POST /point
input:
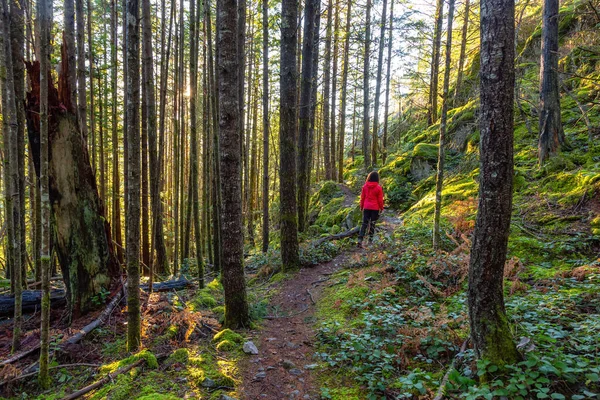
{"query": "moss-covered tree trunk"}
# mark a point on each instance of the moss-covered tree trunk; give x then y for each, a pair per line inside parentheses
(442, 143)
(435, 63)
(552, 135)
(83, 241)
(287, 132)
(234, 283)
(366, 145)
(489, 325)
(265, 115)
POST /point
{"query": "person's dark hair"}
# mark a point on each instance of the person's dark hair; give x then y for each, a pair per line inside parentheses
(373, 177)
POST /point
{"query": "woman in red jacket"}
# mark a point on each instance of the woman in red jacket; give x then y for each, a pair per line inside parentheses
(371, 204)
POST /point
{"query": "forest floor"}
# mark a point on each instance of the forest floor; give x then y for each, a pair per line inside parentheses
(285, 367)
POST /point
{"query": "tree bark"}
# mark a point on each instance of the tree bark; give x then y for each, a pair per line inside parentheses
(133, 177)
(378, 83)
(388, 78)
(116, 177)
(442, 143)
(366, 145)
(326, 94)
(287, 131)
(81, 89)
(306, 84)
(435, 63)
(44, 12)
(333, 135)
(489, 324)
(265, 115)
(463, 50)
(344, 94)
(10, 132)
(69, 34)
(552, 136)
(234, 284)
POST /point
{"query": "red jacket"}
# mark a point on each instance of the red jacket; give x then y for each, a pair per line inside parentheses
(371, 197)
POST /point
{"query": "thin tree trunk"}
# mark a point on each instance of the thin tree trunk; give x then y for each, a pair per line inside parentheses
(435, 63)
(552, 135)
(313, 103)
(388, 78)
(145, 242)
(69, 33)
(366, 145)
(336, 50)
(463, 50)
(378, 83)
(234, 284)
(307, 82)
(442, 142)
(345, 68)
(116, 176)
(10, 132)
(133, 186)
(81, 89)
(44, 13)
(326, 93)
(490, 331)
(265, 115)
(17, 35)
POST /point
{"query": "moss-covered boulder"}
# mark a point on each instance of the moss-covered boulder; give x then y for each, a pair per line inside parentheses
(423, 161)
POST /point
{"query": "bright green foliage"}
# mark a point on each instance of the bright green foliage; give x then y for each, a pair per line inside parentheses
(229, 335)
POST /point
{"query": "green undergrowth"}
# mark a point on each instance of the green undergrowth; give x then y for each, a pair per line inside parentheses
(395, 318)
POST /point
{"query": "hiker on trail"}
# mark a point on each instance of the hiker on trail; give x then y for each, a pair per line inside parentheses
(371, 205)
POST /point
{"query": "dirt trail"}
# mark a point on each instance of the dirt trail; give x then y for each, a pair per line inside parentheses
(285, 365)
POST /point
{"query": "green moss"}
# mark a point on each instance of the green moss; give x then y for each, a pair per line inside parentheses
(336, 305)
(204, 299)
(426, 151)
(214, 286)
(228, 334)
(181, 356)
(226, 345)
(151, 362)
(328, 191)
(157, 396)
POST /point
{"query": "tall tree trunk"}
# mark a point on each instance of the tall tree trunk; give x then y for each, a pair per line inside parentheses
(234, 284)
(378, 83)
(253, 164)
(552, 135)
(116, 176)
(17, 36)
(81, 89)
(435, 63)
(489, 324)
(313, 104)
(326, 93)
(214, 102)
(463, 50)
(44, 13)
(133, 177)
(145, 242)
(345, 67)
(442, 143)
(336, 50)
(366, 145)
(69, 33)
(287, 132)
(265, 115)
(10, 132)
(388, 78)
(306, 85)
(194, 141)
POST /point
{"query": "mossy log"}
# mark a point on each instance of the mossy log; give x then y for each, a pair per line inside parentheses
(32, 300)
(83, 243)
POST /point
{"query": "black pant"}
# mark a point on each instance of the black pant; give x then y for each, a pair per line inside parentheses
(369, 218)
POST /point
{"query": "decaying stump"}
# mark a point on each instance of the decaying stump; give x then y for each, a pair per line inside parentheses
(83, 244)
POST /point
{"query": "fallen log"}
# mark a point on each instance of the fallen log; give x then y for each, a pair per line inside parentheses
(79, 335)
(103, 381)
(32, 299)
(167, 286)
(341, 235)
